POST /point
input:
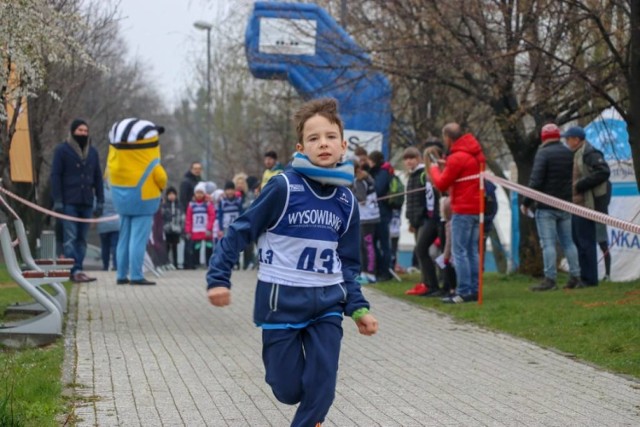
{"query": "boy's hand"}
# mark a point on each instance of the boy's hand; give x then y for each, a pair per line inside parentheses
(219, 296)
(367, 324)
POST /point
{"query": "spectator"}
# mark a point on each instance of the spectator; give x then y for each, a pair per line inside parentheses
(424, 219)
(365, 193)
(76, 184)
(108, 230)
(448, 269)
(137, 180)
(551, 174)
(229, 207)
(198, 224)
(173, 219)
(362, 158)
(603, 238)
(381, 172)
(465, 160)
(272, 167)
(189, 181)
(302, 258)
(590, 188)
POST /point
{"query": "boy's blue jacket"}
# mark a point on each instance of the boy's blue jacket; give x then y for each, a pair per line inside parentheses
(294, 305)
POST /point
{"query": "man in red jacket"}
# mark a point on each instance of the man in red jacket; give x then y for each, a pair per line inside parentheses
(463, 161)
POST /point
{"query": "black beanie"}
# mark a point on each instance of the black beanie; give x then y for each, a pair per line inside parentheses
(76, 123)
(229, 185)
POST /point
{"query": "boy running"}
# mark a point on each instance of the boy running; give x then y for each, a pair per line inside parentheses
(306, 223)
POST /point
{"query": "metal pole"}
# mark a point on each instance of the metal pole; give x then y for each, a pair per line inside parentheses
(208, 104)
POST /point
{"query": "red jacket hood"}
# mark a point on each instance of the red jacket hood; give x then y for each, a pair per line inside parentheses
(469, 144)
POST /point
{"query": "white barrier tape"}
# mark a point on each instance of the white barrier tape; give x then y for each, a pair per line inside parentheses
(466, 178)
(565, 206)
(52, 213)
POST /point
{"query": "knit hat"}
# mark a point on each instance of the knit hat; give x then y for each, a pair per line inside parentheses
(229, 185)
(550, 132)
(133, 130)
(201, 186)
(575, 131)
(210, 187)
(76, 123)
(171, 190)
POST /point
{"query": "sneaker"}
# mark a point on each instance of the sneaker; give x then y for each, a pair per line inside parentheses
(574, 283)
(384, 277)
(419, 289)
(546, 285)
(435, 292)
(460, 299)
(122, 281)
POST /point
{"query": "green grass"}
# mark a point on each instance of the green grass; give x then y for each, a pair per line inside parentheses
(599, 325)
(30, 379)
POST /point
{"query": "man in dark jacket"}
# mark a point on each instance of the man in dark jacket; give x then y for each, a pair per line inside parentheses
(76, 179)
(551, 174)
(188, 184)
(590, 187)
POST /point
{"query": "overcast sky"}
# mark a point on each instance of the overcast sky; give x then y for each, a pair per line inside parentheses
(161, 33)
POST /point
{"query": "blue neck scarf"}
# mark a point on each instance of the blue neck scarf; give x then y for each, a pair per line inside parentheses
(342, 174)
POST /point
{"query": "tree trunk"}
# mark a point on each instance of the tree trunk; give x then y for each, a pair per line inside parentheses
(633, 120)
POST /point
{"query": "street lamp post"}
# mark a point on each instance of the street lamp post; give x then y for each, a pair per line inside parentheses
(206, 26)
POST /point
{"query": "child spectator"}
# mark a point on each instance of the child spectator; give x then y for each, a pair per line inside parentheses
(394, 234)
(365, 191)
(109, 230)
(199, 224)
(229, 207)
(173, 223)
(307, 225)
(449, 272)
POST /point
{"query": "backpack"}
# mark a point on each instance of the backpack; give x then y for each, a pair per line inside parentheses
(396, 193)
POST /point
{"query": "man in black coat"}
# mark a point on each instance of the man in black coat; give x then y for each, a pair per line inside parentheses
(76, 187)
(189, 182)
(552, 175)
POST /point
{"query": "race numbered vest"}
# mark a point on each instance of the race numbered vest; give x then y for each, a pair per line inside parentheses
(301, 248)
(230, 210)
(199, 215)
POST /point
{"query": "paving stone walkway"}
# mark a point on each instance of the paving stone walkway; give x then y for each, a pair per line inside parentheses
(162, 356)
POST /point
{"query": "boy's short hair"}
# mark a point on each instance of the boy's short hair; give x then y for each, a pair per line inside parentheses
(229, 185)
(325, 107)
(271, 154)
(360, 151)
(376, 157)
(411, 153)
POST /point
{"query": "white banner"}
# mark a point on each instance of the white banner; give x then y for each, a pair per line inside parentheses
(623, 246)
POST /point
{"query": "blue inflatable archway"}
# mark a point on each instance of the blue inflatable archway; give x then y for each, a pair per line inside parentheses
(302, 43)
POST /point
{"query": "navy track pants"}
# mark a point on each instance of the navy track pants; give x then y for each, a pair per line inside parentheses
(302, 367)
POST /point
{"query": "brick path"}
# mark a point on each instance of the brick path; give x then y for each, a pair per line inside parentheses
(162, 356)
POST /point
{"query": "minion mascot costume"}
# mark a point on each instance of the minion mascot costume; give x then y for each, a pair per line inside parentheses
(137, 181)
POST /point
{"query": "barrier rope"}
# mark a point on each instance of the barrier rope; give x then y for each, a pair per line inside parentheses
(49, 212)
(565, 206)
